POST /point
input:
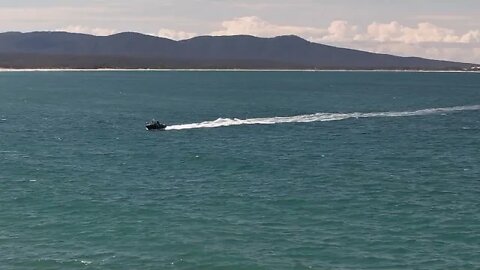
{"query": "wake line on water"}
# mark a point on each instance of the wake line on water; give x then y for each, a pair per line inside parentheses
(318, 117)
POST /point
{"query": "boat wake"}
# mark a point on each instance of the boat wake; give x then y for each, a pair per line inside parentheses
(318, 117)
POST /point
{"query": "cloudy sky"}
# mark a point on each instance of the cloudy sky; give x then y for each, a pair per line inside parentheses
(441, 29)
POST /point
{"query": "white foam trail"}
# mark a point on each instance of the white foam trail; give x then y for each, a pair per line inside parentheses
(318, 117)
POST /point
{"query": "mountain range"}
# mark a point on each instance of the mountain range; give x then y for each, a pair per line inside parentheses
(134, 50)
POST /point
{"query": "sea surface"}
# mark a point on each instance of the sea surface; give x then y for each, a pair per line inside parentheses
(258, 170)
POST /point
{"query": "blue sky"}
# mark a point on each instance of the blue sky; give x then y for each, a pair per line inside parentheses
(442, 29)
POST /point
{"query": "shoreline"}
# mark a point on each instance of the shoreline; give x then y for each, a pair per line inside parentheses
(227, 70)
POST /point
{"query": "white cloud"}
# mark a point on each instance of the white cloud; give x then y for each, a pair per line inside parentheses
(382, 32)
(87, 30)
(421, 33)
(255, 26)
(471, 37)
(97, 31)
(340, 31)
(175, 35)
(424, 39)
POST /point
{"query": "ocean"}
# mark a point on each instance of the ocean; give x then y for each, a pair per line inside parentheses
(257, 170)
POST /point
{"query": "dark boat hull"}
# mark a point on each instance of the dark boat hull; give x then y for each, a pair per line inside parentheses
(156, 126)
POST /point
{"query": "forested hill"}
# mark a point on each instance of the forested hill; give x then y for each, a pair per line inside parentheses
(134, 50)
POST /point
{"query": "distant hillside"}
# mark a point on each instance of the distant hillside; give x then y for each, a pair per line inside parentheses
(133, 50)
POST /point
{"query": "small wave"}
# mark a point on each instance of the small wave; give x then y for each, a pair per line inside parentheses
(318, 117)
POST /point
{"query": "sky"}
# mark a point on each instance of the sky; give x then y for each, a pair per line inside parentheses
(439, 29)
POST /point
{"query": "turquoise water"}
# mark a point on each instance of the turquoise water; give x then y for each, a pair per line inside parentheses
(84, 186)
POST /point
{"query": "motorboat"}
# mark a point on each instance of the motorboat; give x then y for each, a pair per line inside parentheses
(155, 125)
